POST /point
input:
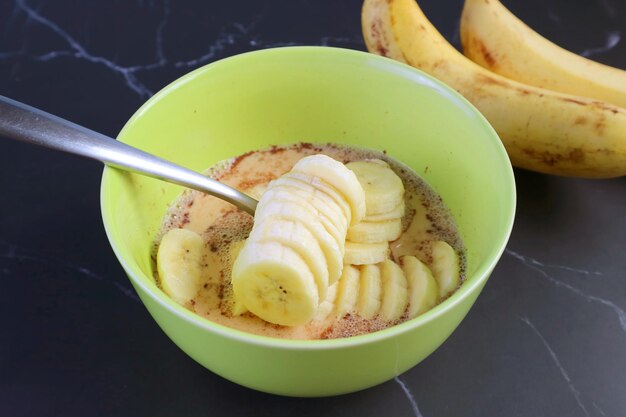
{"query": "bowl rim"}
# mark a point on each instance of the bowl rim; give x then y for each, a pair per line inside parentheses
(382, 64)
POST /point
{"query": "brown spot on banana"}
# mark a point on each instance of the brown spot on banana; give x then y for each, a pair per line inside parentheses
(375, 20)
(580, 120)
(607, 106)
(490, 60)
(575, 101)
(482, 78)
(600, 124)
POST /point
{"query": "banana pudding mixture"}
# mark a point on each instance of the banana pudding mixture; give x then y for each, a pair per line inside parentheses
(344, 241)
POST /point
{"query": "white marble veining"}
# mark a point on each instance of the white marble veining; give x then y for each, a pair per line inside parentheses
(540, 268)
(340, 40)
(557, 362)
(598, 409)
(409, 396)
(554, 17)
(159, 33)
(80, 52)
(130, 74)
(612, 39)
(536, 263)
(608, 6)
(11, 251)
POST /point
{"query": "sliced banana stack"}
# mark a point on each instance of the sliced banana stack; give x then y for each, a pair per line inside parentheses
(368, 240)
(319, 250)
(296, 246)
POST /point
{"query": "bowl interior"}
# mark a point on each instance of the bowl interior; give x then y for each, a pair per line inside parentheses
(313, 94)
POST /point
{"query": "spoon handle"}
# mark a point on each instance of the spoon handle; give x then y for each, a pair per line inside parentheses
(28, 124)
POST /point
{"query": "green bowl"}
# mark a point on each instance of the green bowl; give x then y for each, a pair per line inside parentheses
(313, 94)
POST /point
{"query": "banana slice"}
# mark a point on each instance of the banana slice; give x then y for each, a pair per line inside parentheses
(327, 306)
(396, 213)
(338, 176)
(294, 212)
(314, 206)
(423, 289)
(347, 292)
(179, 264)
(328, 193)
(365, 253)
(370, 291)
(275, 283)
(372, 232)
(297, 237)
(383, 189)
(395, 293)
(445, 268)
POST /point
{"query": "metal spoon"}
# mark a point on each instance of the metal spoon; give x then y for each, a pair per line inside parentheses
(28, 124)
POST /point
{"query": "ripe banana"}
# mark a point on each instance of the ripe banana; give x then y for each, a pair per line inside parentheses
(423, 290)
(542, 130)
(496, 39)
(395, 292)
(347, 292)
(365, 253)
(370, 291)
(445, 268)
(179, 264)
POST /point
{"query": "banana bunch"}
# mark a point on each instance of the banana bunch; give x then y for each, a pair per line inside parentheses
(497, 40)
(555, 112)
(295, 250)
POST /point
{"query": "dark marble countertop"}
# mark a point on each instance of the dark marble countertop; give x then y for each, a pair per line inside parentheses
(547, 337)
